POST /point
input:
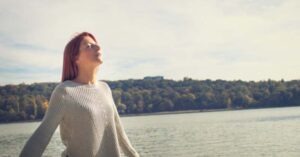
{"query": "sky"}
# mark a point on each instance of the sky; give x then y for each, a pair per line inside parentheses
(250, 40)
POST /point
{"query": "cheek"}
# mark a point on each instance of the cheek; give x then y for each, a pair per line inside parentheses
(81, 58)
(86, 56)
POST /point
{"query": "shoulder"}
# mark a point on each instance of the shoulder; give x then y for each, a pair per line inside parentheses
(60, 88)
(103, 84)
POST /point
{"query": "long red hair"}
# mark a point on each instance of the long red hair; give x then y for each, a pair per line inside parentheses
(71, 52)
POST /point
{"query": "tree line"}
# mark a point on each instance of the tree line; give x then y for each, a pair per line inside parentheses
(30, 101)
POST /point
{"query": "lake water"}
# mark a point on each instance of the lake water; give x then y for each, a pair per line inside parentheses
(255, 132)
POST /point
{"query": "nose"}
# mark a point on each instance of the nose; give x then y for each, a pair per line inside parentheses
(98, 48)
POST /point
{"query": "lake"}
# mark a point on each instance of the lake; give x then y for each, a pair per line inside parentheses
(254, 132)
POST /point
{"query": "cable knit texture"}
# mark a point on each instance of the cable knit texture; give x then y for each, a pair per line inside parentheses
(89, 122)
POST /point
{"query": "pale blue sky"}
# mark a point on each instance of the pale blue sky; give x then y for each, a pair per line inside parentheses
(212, 39)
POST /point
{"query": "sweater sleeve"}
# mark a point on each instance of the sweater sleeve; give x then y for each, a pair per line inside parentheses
(122, 137)
(39, 140)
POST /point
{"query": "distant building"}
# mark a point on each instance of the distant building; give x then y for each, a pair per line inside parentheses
(153, 78)
(187, 79)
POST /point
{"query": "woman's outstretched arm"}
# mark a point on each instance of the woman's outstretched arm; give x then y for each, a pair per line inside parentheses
(39, 140)
(122, 137)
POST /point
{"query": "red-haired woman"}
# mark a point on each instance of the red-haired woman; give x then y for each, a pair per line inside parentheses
(83, 107)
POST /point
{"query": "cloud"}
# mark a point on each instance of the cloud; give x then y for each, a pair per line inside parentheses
(239, 39)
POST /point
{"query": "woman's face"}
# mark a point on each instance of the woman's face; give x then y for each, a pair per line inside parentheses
(89, 53)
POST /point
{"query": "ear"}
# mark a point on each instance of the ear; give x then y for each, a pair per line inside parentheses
(76, 59)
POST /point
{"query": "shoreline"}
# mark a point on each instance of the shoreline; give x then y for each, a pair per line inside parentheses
(174, 112)
(163, 113)
(197, 111)
(141, 114)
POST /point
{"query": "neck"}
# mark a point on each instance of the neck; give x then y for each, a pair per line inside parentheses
(87, 75)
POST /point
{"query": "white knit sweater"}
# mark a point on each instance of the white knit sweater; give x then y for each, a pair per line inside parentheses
(89, 122)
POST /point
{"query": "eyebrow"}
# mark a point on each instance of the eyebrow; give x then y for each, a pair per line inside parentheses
(90, 43)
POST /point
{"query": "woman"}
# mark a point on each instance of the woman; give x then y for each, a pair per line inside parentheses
(84, 108)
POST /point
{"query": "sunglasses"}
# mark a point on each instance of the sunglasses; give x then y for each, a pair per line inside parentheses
(93, 47)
